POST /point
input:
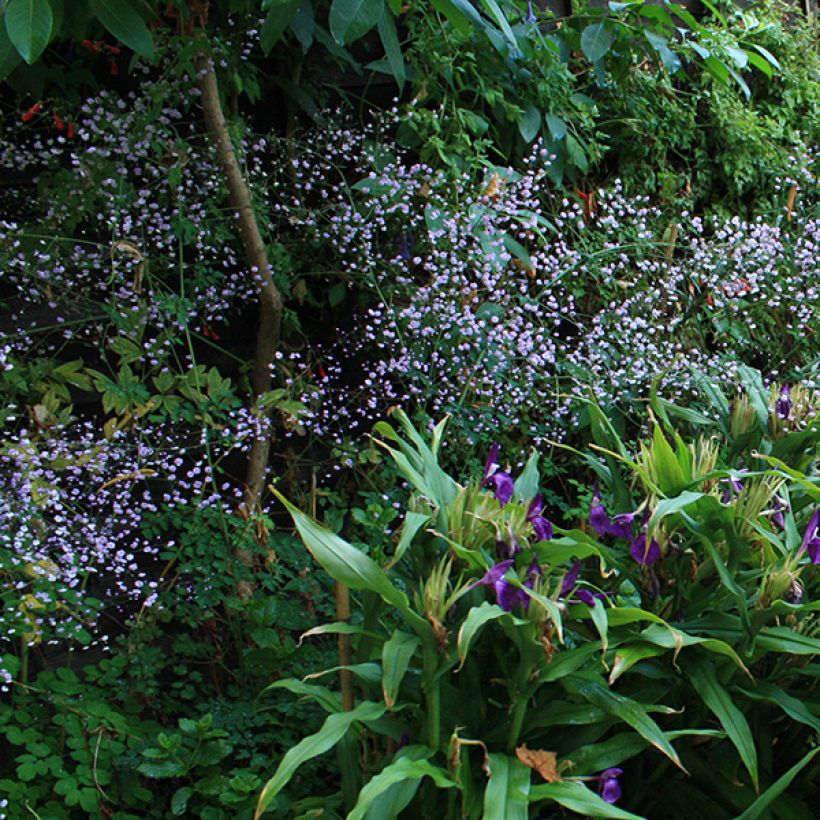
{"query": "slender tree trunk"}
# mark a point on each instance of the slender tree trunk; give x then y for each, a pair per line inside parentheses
(270, 300)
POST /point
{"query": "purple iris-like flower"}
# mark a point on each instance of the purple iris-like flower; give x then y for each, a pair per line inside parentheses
(643, 554)
(621, 526)
(587, 597)
(506, 594)
(778, 518)
(530, 12)
(598, 517)
(783, 406)
(811, 538)
(570, 579)
(610, 788)
(502, 483)
(542, 527)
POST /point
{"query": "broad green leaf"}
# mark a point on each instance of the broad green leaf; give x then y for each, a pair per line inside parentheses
(758, 808)
(476, 618)
(577, 797)
(119, 17)
(557, 126)
(553, 608)
(622, 615)
(521, 253)
(669, 58)
(506, 796)
(529, 124)
(28, 24)
(327, 699)
(670, 477)
(719, 702)
(396, 656)
(627, 656)
(598, 614)
(630, 712)
(343, 562)
(526, 485)
(303, 24)
(456, 15)
(413, 522)
(567, 714)
(596, 757)
(770, 58)
(280, 15)
(338, 628)
(392, 48)
(396, 797)
(565, 663)
(399, 771)
(9, 56)
(672, 638)
(500, 18)
(596, 40)
(369, 672)
(333, 730)
(793, 707)
(352, 19)
(783, 639)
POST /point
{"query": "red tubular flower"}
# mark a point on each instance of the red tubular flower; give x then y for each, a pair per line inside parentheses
(70, 130)
(114, 69)
(58, 123)
(29, 115)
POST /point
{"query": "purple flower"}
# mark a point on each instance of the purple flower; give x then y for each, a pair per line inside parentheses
(811, 538)
(783, 406)
(587, 597)
(643, 554)
(506, 594)
(598, 517)
(502, 483)
(570, 579)
(609, 788)
(530, 12)
(621, 526)
(542, 527)
(778, 519)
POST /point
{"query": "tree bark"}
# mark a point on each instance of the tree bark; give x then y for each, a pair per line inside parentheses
(270, 300)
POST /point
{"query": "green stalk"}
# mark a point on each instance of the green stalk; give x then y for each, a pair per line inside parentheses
(432, 693)
(519, 710)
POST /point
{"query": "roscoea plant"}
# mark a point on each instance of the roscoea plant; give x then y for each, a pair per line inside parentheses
(505, 662)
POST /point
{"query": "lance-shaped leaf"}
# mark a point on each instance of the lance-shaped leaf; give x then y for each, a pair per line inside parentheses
(413, 522)
(630, 712)
(577, 797)
(333, 730)
(627, 656)
(719, 702)
(476, 618)
(793, 707)
(344, 563)
(758, 808)
(351, 19)
(396, 656)
(28, 24)
(403, 770)
(119, 17)
(506, 796)
(526, 485)
(783, 639)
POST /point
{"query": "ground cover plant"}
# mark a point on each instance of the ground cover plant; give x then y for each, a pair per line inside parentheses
(552, 390)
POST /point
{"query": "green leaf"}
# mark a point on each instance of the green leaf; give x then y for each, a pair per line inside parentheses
(9, 56)
(345, 563)
(777, 788)
(476, 618)
(529, 124)
(333, 730)
(576, 154)
(719, 702)
(670, 60)
(328, 700)
(526, 485)
(794, 708)
(392, 48)
(280, 16)
(28, 24)
(783, 639)
(303, 24)
(352, 19)
(413, 522)
(631, 713)
(577, 797)
(119, 17)
(557, 127)
(627, 656)
(596, 40)
(399, 771)
(396, 656)
(506, 796)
